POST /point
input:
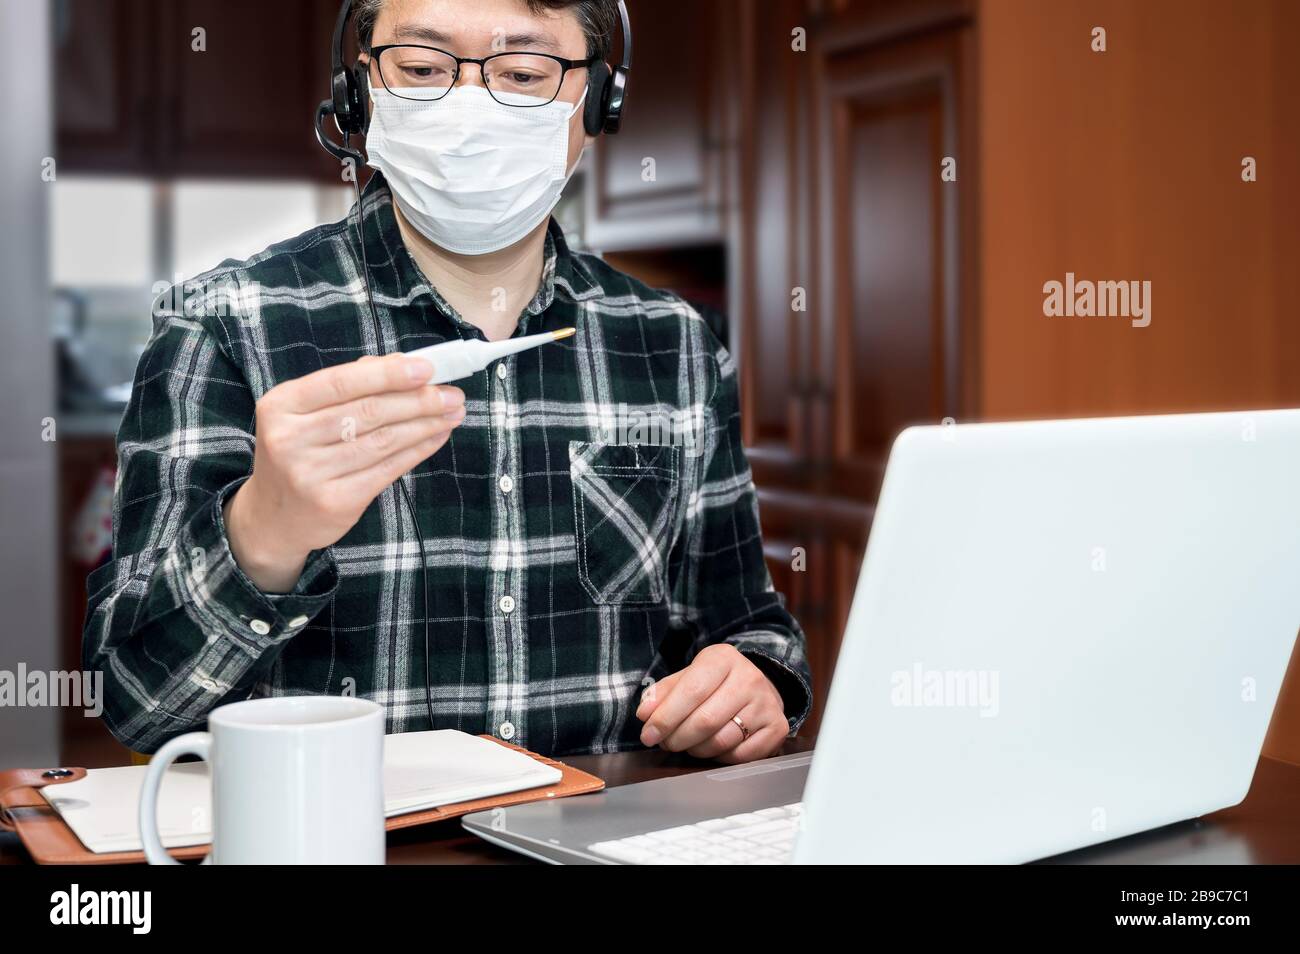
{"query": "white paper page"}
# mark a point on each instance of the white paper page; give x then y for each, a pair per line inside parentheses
(421, 770)
(102, 809)
(443, 766)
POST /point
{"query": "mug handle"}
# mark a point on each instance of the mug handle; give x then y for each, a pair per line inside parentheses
(191, 743)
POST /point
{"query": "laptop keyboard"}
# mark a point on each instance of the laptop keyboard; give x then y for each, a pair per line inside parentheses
(764, 837)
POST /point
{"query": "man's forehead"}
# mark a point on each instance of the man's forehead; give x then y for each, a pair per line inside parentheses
(466, 26)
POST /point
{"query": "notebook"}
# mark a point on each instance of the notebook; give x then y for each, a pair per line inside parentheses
(422, 770)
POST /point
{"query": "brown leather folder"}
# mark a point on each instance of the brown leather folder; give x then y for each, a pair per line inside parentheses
(51, 842)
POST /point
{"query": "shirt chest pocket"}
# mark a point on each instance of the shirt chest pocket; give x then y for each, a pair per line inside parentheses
(624, 510)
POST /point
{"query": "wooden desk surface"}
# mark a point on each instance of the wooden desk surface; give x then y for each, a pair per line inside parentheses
(1264, 829)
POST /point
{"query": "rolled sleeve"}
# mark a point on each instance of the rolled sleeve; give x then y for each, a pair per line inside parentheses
(214, 590)
(780, 659)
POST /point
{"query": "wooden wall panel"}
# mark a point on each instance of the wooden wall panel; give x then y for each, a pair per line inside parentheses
(1127, 165)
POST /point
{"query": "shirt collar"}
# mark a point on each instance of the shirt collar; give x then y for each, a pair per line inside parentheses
(396, 281)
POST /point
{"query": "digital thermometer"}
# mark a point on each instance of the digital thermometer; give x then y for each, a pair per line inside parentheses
(453, 360)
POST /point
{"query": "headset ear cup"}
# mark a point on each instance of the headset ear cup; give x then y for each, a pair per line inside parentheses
(361, 94)
(615, 101)
(340, 92)
(593, 117)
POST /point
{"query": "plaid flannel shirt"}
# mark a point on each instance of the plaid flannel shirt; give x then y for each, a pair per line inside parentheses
(589, 527)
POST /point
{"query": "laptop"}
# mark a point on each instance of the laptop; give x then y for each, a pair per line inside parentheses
(1064, 632)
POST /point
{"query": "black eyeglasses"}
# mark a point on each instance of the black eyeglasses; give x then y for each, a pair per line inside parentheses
(427, 74)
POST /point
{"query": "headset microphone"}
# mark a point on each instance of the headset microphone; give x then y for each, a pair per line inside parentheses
(348, 104)
(343, 153)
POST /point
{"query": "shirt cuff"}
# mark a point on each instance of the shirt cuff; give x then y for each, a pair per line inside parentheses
(790, 682)
(222, 596)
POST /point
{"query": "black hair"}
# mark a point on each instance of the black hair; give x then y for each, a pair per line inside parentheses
(598, 19)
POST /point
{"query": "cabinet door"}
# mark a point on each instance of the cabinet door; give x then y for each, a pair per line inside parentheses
(895, 339)
(102, 81)
(657, 183)
(243, 105)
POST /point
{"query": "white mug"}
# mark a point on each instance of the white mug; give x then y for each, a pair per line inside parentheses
(295, 780)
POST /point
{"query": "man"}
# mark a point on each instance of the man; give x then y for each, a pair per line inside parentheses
(261, 544)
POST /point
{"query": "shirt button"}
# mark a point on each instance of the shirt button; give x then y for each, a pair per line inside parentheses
(208, 685)
(507, 730)
(507, 603)
(506, 483)
(260, 626)
(298, 621)
(501, 370)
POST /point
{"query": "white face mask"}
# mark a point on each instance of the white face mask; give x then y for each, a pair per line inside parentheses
(472, 175)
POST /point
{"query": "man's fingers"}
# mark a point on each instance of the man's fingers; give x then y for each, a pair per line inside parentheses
(760, 745)
(372, 481)
(654, 693)
(348, 382)
(696, 683)
(710, 716)
(729, 735)
(348, 422)
(383, 443)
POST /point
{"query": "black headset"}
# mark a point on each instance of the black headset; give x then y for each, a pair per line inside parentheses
(350, 91)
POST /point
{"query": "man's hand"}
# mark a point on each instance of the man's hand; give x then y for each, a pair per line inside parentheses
(328, 444)
(692, 710)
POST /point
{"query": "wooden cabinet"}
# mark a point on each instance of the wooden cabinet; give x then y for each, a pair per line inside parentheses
(895, 341)
(102, 76)
(140, 91)
(853, 290)
(265, 69)
(658, 183)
